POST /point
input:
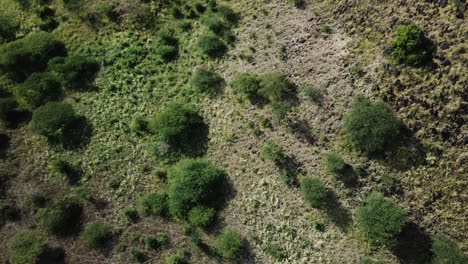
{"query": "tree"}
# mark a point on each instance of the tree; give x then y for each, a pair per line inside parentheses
(26, 246)
(50, 119)
(411, 47)
(76, 72)
(38, 89)
(61, 217)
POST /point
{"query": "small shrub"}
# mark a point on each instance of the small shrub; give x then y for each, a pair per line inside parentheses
(192, 183)
(273, 152)
(76, 72)
(313, 93)
(196, 239)
(275, 251)
(201, 216)
(248, 84)
(371, 126)
(114, 183)
(314, 192)
(206, 81)
(167, 37)
(229, 244)
(96, 235)
(411, 47)
(139, 125)
(131, 215)
(281, 109)
(228, 14)
(7, 106)
(299, 3)
(214, 23)
(27, 246)
(137, 255)
(61, 217)
(60, 166)
(381, 220)
(155, 204)
(446, 251)
(73, 4)
(335, 163)
(50, 119)
(167, 53)
(178, 258)
(83, 192)
(157, 241)
(274, 86)
(212, 46)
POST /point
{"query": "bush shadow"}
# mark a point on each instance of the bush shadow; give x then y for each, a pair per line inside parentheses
(75, 135)
(339, 215)
(413, 245)
(302, 130)
(4, 145)
(52, 256)
(290, 169)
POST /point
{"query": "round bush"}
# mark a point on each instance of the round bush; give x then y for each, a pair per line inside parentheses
(411, 47)
(246, 83)
(371, 126)
(212, 46)
(274, 86)
(154, 204)
(157, 241)
(178, 125)
(167, 53)
(206, 81)
(273, 152)
(27, 246)
(192, 183)
(76, 72)
(96, 235)
(201, 216)
(214, 23)
(229, 244)
(62, 217)
(335, 163)
(50, 119)
(381, 220)
(446, 251)
(314, 192)
(7, 106)
(38, 89)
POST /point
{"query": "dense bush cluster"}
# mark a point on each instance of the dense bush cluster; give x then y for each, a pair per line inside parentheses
(75, 72)
(192, 183)
(96, 235)
(446, 251)
(26, 247)
(51, 119)
(314, 192)
(61, 217)
(38, 89)
(272, 86)
(206, 81)
(381, 220)
(411, 47)
(229, 244)
(371, 126)
(155, 204)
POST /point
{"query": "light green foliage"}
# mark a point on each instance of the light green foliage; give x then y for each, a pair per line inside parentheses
(275, 251)
(371, 126)
(154, 204)
(26, 246)
(248, 84)
(96, 235)
(229, 244)
(411, 47)
(178, 258)
(446, 251)
(273, 152)
(274, 86)
(50, 120)
(314, 192)
(211, 46)
(206, 81)
(61, 217)
(192, 183)
(281, 109)
(38, 89)
(201, 216)
(76, 72)
(335, 163)
(381, 220)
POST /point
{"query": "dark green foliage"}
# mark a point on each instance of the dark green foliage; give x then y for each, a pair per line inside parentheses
(61, 217)
(167, 53)
(51, 119)
(313, 93)
(275, 251)
(73, 4)
(274, 86)
(167, 45)
(8, 212)
(215, 23)
(411, 47)
(192, 183)
(38, 89)
(229, 244)
(137, 255)
(21, 57)
(335, 163)
(314, 192)
(157, 241)
(381, 220)
(178, 125)
(206, 81)
(178, 258)
(7, 106)
(114, 183)
(83, 192)
(248, 84)
(228, 14)
(371, 126)
(299, 3)
(96, 235)
(155, 204)
(446, 251)
(273, 152)
(27, 246)
(139, 125)
(201, 216)
(76, 72)
(8, 28)
(131, 215)
(196, 239)
(212, 46)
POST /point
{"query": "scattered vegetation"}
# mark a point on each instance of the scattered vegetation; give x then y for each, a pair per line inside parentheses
(273, 152)
(313, 93)
(229, 244)
(446, 251)
(275, 251)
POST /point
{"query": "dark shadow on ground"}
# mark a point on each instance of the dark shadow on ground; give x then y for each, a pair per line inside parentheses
(339, 215)
(4, 145)
(290, 168)
(302, 130)
(413, 246)
(16, 118)
(52, 256)
(77, 134)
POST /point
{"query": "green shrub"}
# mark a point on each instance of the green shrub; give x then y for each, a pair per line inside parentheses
(137, 255)
(299, 3)
(167, 45)
(60, 166)
(411, 47)
(381, 220)
(248, 84)
(274, 86)
(446, 251)
(192, 183)
(196, 239)
(206, 81)
(83, 192)
(273, 152)
(229, 244)
(178, 125)
(313, 93)
(167, 53)
(212, 46)
(27, 246)
(96, 235)
(228, 14)
(215, 23)
(281, 109)
(38, 89)
(131, 215)
(201, 216)
(139, 125)
(275, 251)
(22, 57)
(371, 126)
(178, 258)
(61, 217)
(335, 163)
(314, 192)
(167, 37)
(157, 241)
(7, 106)
(50, 119)
(76, 72)
(155, 204)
